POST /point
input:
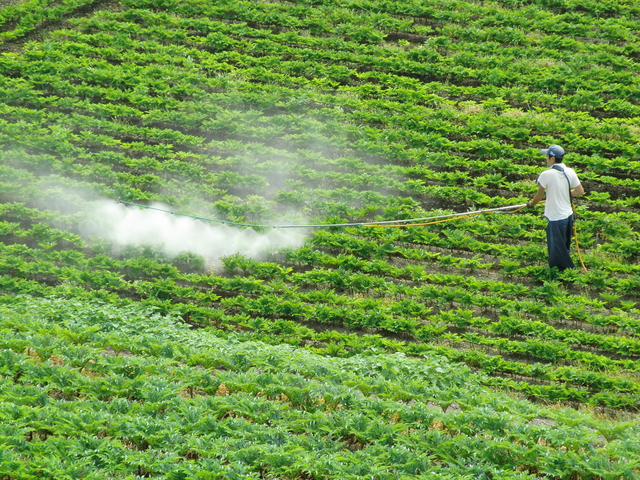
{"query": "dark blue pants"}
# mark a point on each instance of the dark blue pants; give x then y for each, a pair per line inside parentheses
(559, 234)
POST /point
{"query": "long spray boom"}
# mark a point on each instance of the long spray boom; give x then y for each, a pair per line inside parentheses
(359, 224)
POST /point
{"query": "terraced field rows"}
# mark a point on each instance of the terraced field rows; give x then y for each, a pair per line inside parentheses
(326, 113)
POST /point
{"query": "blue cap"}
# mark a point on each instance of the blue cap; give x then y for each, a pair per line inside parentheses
(554, 151)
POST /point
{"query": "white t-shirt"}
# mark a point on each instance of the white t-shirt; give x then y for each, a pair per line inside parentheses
(558, 204)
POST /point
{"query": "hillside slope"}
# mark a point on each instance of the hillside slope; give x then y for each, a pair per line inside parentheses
(332, 112)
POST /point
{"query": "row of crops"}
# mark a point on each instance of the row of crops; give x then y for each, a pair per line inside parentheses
(338, 358)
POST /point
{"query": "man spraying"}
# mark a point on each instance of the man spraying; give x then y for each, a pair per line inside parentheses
(560, 184)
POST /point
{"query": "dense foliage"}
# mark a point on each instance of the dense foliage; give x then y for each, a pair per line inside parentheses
(127, 392)
(326, 112)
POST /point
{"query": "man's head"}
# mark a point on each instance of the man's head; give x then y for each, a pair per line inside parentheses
(555, 152)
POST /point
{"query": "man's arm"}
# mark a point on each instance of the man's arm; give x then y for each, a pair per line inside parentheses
(576, 192)
(538, 197)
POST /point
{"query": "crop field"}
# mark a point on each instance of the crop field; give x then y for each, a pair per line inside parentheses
(137, 343)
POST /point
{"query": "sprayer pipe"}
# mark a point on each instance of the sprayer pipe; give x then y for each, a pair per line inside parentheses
(360, 224)
(389, 222)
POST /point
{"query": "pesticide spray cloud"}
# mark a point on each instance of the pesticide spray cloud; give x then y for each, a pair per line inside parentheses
(174, 234)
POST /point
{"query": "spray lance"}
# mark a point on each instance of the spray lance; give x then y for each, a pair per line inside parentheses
(387, 223)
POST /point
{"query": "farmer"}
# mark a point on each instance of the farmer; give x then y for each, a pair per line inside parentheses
(560, 184)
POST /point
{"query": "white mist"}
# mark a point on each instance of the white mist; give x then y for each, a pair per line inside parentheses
(135, 226)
